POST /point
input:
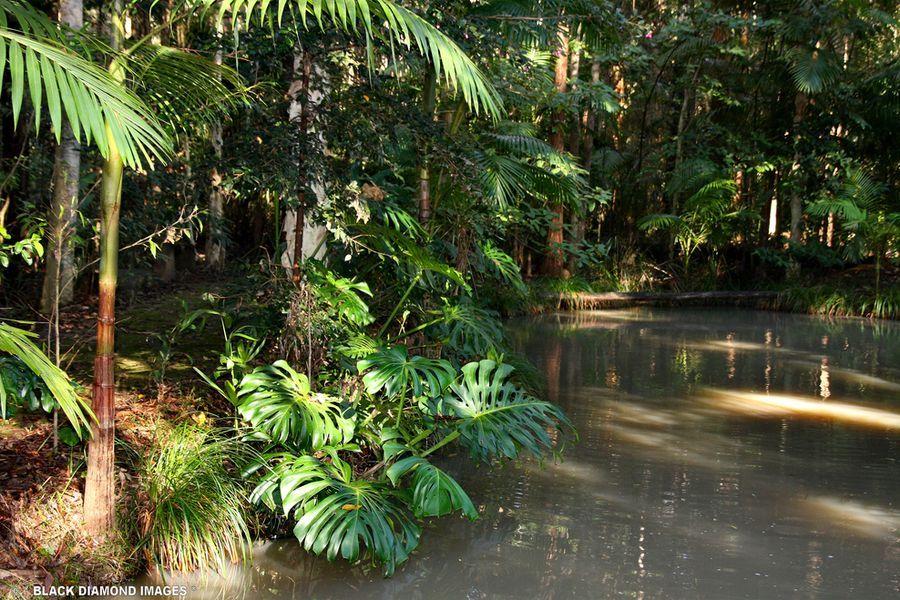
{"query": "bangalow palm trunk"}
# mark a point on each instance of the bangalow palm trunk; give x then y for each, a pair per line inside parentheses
(428, 102)
(99, 488)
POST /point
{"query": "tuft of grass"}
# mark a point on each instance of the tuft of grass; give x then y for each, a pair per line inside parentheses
(194, 506)
(834, 301)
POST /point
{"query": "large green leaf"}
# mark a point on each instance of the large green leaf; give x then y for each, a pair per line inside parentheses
(393, 371)
(337, 514)
(38, 58)
(278, 402)
(495, 418)
(469, 329)
(435, 493)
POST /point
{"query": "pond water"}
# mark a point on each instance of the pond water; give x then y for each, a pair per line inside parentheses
(722, 454)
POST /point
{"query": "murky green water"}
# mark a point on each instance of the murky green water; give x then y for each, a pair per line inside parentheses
(705, 470)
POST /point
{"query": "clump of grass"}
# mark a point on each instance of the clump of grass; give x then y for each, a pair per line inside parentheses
(194, 506)
(833, 301)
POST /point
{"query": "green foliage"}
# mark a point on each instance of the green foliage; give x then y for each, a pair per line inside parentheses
(495, 418)
(19, 344)
(394, 372)
(39, 59)
(278, 402)
(468, 329)
(841, 301)
(22, 387)
(194, 509)
(382, 19)
(338, 514)
(435, 493)
(343, 296)
(503, 266)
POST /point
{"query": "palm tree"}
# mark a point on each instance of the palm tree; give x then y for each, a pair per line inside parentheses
(182, 87)
(860, 205)
(83, 101)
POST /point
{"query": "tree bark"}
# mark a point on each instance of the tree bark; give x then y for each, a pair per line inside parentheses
(99, 489)
(553, 260)
(303, 238)
(428, 101)
(576, 218)
(800, 104)
(59, 277)
(215, 249)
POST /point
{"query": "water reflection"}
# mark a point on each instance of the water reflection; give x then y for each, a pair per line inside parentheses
(723, 454)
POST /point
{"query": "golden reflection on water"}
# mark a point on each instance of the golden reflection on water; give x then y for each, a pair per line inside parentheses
(871, 521)
(824, 381)
(782, 405)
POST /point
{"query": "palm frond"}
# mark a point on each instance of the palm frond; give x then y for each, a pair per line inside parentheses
(503, 265)
(658, 221)
(184, 87)
(18, 343)
(73, 88)
(812, 69)
(382, 19)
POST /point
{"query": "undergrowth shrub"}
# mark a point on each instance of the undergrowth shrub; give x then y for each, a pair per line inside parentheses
(832, 301)
(193, 511)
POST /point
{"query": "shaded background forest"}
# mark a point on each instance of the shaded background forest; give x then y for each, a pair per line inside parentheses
(643, 145)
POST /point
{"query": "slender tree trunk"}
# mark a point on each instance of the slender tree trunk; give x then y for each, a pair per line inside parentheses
(298, 112)
(59, 278)
(99, 489)
(588, 133)
(800, 104)
(773, 208)
(553, 260)
(215, 250)
(428, 102)
(576, 218)
(304, 238)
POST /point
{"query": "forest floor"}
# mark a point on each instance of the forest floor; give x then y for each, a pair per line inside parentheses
(40, 500)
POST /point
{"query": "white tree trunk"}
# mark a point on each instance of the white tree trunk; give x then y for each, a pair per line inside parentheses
(215, 250)
(59, 277)
(314, 235)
